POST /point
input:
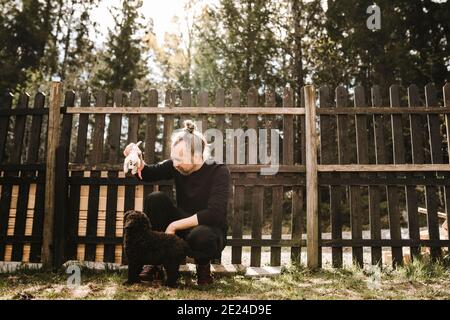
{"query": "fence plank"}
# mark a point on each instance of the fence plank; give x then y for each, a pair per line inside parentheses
(32, 157)
(277, 191)
(186, 102)
(239, 191)
(94, 190)
(338, 193)
(312, 192)
(446, 96)
(392, 191)
(113, 139)
(431, 196)
(52, 141)
(6, 103)
(74, 193)
(257, 199)
(150, 128)
(61, 185)
(22, 200)
(362, 154)
(220, 103)
(328, 155)
(167, 132)
(203, 102)
(398, 144)
(288, 159)
(133, 120)
(418, 157)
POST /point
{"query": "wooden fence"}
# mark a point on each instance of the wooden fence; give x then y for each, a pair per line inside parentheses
(347, 173)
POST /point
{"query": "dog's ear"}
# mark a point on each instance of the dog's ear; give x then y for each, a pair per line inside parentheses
(125, 216)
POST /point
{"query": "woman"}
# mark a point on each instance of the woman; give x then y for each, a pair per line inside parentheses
(200, 216)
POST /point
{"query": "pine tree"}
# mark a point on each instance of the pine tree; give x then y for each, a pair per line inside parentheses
(124, 62)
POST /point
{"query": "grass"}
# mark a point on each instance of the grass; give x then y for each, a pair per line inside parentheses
(422, 279)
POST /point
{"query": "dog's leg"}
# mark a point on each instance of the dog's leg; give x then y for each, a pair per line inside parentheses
(172, 275)
(133, 272)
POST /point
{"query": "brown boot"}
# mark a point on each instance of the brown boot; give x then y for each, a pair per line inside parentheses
(152, 273)
(204, 276)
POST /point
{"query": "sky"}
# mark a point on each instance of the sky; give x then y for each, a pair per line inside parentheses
(161, 12)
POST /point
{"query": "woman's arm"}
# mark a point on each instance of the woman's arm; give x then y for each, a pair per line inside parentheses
(182, 224)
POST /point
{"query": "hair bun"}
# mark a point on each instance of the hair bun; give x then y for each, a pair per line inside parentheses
(190, 126)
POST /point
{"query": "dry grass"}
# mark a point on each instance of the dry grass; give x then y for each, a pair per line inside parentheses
(419, 280)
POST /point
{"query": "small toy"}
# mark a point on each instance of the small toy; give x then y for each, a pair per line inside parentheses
(134, 160)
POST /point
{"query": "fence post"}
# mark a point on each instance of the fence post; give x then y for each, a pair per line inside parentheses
(312, 205)
(52, 142)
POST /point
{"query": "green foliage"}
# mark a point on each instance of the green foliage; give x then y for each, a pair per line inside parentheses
(123, 55)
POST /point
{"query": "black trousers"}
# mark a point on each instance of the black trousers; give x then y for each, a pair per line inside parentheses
(206, 242)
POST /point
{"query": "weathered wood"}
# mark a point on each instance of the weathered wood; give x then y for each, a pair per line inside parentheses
(5, 105)
(96, 157)
(417, 139)
(255, 110)
(186, 102)
(431, 196)
(238, 205)
(328, 155)
(150, 128)
(236, 228)
(16, 157)
(114, 155)
(381, 156)
(258, 191)
(288, 128)
(277, 191)
(83, 122)
(36, 128)
(185, 111)
(434, 125)
(203, 102)
(338, 191)
(74, 193)
(362, 157)
(167, 133)
(133, 120)
(52, 142)
(312, 213)
(446, 97)
(115, 123)
(297, 224)
(220, 104)
(384, 168)
(400, 158)
(447, 210)
(38, 220)
(61, 186)
(418, 157)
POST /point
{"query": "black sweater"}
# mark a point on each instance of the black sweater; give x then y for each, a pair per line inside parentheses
(204, 192)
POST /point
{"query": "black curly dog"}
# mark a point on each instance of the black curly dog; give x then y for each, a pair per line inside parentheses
(144, 246)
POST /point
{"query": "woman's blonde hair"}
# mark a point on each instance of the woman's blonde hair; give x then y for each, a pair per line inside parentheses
(193, 138)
